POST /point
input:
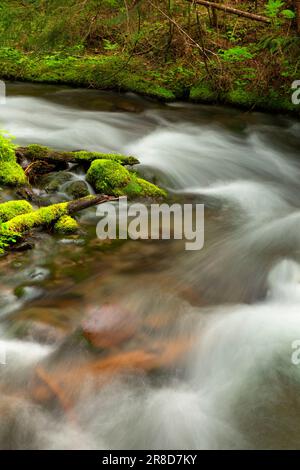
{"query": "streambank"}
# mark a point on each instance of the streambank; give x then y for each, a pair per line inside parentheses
(166, 83)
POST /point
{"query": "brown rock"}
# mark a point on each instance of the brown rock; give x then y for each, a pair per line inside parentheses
(108, 326)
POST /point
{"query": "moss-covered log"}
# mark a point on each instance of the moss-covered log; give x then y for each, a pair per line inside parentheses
(61, 159)
(10, 209)
(45, 217)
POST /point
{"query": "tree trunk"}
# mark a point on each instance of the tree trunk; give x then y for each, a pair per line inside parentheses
(297, 11)
(215, 16)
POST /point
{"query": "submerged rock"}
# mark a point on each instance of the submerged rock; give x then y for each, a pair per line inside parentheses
(77, 189)
(108, 326)
(54, 181)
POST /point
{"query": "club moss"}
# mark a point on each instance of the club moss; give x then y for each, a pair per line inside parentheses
(66, 224)
(11, 209)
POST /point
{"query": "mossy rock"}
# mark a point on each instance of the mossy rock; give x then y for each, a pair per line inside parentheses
(53, 182)
(77, 189)
(139, 187)
(36, 152)
(11, 209)
(66, 225)
(107, 175)
(111, 178)
(11, 174)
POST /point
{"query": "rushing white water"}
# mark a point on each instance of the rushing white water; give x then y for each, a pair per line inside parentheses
(237, 387)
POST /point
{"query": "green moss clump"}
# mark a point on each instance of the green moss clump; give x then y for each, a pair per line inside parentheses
(111, 178)
(11, 174)
(66, 224)
(203, 93)
(11, 209)
(106, 175)
(91, 156)
(139, 187)
(36, 152)
(144, 87)
(44, 216)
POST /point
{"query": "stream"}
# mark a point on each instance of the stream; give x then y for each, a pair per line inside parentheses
(197, 346)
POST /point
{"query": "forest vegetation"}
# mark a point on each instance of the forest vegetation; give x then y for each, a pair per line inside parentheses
(240, 52)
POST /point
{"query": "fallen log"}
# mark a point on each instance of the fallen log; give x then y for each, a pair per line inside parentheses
(231, 10)
(14, 229)
(61, 159)
(88, 201)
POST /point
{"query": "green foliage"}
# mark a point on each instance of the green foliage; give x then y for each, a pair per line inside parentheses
(273, 7)
(109, 46)
(273, 10)
(288, 14)
(7, 237)
(236, 54)
(112, 44)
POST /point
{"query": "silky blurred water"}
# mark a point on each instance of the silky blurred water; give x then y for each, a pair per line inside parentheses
(208, 362)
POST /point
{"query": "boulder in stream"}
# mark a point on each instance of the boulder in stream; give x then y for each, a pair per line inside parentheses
(77, 189)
